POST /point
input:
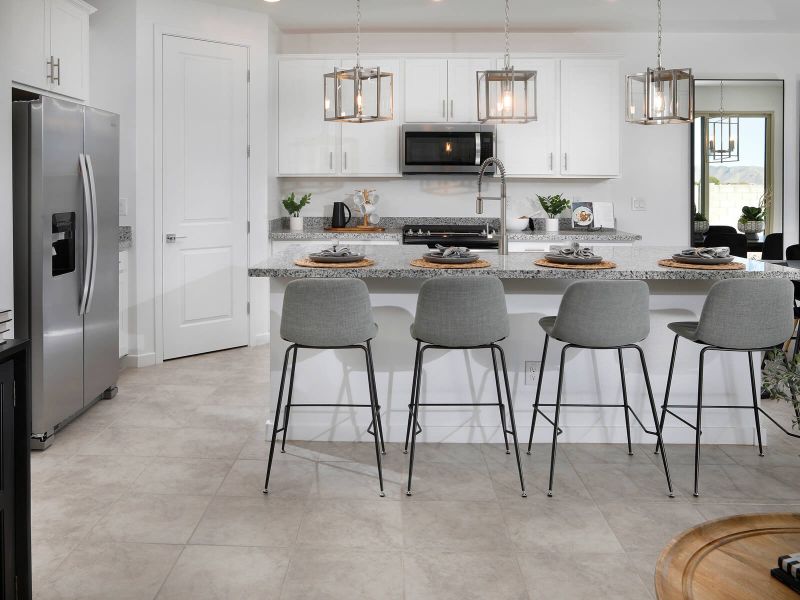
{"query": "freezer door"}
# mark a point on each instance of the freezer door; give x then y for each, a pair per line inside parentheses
(57, 259)
(101, 321)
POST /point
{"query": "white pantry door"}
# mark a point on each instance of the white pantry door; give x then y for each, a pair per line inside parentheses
(204, 199)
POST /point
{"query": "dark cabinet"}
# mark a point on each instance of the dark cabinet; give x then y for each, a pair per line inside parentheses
(15, 517)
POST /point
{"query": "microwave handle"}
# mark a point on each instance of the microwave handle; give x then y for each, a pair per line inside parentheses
(477, 149)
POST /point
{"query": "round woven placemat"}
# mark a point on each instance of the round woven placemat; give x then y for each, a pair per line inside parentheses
(304, 262)
(478, 264)
(606, 264)
(732, 266)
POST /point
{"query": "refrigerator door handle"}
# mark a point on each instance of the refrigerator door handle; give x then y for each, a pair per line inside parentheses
(93, 276)
(87, 207)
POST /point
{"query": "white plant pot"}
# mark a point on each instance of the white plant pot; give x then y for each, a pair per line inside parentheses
(295, 223)
(551, 224)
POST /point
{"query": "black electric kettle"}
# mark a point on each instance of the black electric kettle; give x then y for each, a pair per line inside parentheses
(338, 219)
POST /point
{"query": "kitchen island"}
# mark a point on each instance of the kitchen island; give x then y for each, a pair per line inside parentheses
(464, 376)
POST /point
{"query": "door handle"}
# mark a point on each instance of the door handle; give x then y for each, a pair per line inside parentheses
(171, 237)
(551, 162)
(444, 108)
(565, 161)
(50, 74)
(451, 108)
(93, 277)
(57, 71)
(345, 161)
(330, 160)
(87, 208)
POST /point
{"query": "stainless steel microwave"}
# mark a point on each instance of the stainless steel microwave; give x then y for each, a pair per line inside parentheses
(428, 148)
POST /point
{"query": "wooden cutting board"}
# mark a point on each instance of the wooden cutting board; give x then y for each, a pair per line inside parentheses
(729, 559)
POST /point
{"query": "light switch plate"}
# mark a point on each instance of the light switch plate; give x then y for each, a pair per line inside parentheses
(532, 371)
(638, 203)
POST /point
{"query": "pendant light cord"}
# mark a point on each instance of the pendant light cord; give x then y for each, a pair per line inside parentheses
(358, 33)
(508, 45)
(721, 105)
(659, 34)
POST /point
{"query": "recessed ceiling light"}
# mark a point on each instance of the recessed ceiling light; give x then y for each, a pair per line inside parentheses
(271, 1)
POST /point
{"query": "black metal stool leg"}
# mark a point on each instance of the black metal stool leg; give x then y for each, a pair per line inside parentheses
(288, 401)
(755, 403)
(699, 423)
(373, 403)
(660, 440)
(511, 418)
(538, 393)
(411, 401)
(415, 419)
(666, 392)
(555, 420)
(625, 400)
(500, 401)
(276, 420)
(374, 388)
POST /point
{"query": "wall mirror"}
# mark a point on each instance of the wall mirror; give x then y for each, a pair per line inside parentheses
(737, 161)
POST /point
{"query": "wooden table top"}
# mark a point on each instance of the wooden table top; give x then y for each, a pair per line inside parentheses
(729, 558)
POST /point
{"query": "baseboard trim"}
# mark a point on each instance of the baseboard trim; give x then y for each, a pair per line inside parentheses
(135, 361)
(261, 339)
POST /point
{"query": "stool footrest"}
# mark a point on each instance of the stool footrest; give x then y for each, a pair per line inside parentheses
(293, 405)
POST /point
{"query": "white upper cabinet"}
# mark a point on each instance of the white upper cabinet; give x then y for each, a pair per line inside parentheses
(532, 149)
(426, 90)
(308, 145)
(590, 117)
(374, 148)
(439, 90)
(50, 45)
(462, 88)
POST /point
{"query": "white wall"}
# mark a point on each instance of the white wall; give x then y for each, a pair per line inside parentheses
(655, 160)
(6, 205)
(211, 22)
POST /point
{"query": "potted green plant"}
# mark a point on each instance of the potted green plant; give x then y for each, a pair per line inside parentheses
(700, 223)
(293, 207)
(553, 206)
(752, 220)
(780, 378)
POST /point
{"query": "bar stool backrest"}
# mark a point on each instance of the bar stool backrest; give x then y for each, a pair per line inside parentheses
(747, 313)
(327, 312)
(604, 314)
(461, 312)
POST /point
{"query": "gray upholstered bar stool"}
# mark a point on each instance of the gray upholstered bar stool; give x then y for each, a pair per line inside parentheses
(327, 314)
(461, 313)
(599, 315)
(739, 315)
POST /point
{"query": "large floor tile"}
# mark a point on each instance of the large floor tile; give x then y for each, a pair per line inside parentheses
(101, 571)
(606, 454)
(354, 480)
(634, 482)
(436, 575)
(649, 526)
(226, 572)
(126, 441)
(368, 524)
(198, 442)
(451, 481)
(250, 521)
(290, 476)
(69, 514)
(77, 473)
(453, 525)
(344, 575)
(191, 476)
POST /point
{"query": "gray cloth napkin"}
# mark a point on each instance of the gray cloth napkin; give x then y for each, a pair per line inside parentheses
(576, 251)
(453, 251)
(334, 251)
(718, 252)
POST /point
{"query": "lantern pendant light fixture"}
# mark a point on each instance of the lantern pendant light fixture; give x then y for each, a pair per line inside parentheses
(723, 135)
(506, 95)
(360, 94)
(660, 96)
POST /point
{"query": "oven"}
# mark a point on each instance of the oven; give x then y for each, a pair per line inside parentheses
(443, 148)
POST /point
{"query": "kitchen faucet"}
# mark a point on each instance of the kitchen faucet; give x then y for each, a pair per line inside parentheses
(502, 246)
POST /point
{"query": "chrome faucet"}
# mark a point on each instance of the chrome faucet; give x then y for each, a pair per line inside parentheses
(502, 246)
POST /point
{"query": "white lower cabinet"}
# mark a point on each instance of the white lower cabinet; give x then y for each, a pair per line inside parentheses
(520, 246)
(314, 245)
(123, 303)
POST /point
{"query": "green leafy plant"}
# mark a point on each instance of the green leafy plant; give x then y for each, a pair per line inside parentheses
(700, 217)
(757, 213)
(553, 205)
(293, 207)
(780, 378)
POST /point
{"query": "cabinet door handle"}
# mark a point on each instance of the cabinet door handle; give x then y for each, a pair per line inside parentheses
(444, 109)
(451, 108)
(345, 161)
(551, 162)
(565, 161)
(57, 71)
(330, 160)
(50, 62)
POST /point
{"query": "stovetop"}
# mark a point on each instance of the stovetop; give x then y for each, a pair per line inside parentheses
(474, 236)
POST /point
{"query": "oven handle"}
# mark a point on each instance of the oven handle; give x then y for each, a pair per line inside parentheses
(477, 148)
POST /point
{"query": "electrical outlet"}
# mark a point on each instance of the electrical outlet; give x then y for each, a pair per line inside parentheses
(532, 371)
(123, 207)
(638, 203)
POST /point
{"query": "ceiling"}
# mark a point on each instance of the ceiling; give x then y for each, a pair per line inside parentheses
(706, 16)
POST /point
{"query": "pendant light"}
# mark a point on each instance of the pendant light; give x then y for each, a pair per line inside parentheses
(507, 95)
(723, 135)
(660, 96)
(360, 94)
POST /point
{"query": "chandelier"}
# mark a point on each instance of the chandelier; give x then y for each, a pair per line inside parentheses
(506, 95)
(723, 135)
(360, 94)
(660, 96)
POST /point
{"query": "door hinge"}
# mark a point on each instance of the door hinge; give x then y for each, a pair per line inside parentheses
(248, 308)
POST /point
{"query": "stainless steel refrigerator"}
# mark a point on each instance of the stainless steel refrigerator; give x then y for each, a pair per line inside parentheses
(66, 244)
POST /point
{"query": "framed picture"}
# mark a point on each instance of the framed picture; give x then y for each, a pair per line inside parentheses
(582, 214)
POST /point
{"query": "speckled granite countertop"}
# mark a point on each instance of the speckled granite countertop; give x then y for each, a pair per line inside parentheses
(125, 237)
(314, 230)
(632, 263)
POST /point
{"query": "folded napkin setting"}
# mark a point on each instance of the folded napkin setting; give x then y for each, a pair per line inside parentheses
(576, 251)
(334, 251)
(453, 251)
(718, 252)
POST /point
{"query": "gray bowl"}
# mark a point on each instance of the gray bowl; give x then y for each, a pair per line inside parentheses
(573, 260)
(700, 260)
(326, 258)
(437, 258)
